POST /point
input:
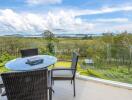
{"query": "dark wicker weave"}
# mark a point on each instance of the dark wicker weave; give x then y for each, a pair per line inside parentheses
(72, 70)
(30, 85)
(29, 52)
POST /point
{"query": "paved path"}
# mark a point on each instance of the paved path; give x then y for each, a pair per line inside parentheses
(87, 90)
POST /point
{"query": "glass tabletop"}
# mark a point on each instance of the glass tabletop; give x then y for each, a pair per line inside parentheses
(19, 64)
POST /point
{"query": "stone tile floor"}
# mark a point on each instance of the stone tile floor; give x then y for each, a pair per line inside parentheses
(87, 90)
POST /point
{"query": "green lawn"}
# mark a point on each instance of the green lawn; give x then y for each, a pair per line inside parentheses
(63, 64)
(121, 74)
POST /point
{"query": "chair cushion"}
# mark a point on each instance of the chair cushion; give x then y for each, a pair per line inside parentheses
(1, 85)
(62, 73)
(1, 82)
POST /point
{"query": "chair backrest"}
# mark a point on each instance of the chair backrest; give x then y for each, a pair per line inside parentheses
(74, 62)
(29, 52)
(30, 85)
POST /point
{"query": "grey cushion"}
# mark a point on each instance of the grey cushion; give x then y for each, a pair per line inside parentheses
(3, 97)
(1, 82)
(62, 73)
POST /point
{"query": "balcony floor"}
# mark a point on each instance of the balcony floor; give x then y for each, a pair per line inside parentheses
(87, 90)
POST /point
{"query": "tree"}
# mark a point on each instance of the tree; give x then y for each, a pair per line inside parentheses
(48, 35)
(51, 40)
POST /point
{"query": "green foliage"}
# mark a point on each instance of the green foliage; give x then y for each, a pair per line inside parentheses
(1, 64)
(51, 40)
(42, 50)
(5, 57)
(48, 35)
(51, 48)
(109, 52)
(3, 69)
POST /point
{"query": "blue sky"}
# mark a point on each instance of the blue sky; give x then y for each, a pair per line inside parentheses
(69, 16)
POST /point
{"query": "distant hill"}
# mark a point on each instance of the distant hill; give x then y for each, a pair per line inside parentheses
(56, 35)
(14, 35)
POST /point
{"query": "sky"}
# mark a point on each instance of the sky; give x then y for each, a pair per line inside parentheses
(65, 16)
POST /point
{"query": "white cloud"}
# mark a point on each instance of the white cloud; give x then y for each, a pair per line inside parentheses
(122, 27)
(37, 2)
(67, 20)
(13, 22)
(103, 10)
(103, 27)
(117, 20)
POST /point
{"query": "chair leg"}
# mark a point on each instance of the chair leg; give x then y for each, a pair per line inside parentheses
(0, 90)
(71, 81)
(52, 90)
(50, 94)
(74, 87)
(52, 82)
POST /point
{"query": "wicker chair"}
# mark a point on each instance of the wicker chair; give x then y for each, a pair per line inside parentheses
(66, 73)
(31, 85)
(29, 52)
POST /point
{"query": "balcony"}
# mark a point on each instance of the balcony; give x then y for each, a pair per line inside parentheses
(88, 41)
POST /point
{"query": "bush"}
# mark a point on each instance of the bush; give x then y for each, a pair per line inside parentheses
(1, 64)
(5, 57)
(42, 50)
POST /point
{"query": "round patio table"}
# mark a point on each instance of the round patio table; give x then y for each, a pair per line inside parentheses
(19, 64)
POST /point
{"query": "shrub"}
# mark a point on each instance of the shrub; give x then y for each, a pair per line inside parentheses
(4, 58)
